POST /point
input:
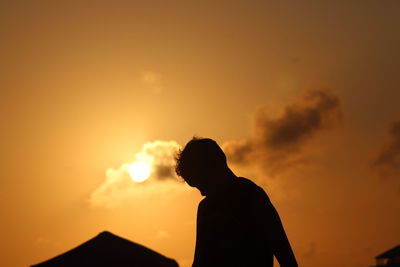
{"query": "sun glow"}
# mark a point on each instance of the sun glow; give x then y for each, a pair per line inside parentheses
(139, 171)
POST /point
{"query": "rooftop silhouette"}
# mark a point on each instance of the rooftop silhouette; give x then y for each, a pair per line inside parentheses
(109, 250)
(389, 258)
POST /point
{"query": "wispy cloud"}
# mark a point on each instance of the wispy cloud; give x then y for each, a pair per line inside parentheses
(152, 80)
(310, 250)
(277, 142)
(161, 234)
(42, 241)
(387, 162)
(118, 187)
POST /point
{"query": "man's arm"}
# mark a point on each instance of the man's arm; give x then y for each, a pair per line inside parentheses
(198, 254)
(269, 221)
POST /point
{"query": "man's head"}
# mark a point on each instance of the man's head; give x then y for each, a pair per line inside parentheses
(201, 162)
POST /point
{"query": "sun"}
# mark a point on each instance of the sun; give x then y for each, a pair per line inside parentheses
(139, 171)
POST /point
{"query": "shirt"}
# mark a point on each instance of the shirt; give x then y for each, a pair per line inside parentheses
(239, 226)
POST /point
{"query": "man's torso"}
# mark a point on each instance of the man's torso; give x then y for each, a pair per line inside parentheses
(227, 234)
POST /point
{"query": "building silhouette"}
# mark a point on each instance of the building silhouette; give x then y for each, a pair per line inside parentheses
(390, 258)
(109, 250)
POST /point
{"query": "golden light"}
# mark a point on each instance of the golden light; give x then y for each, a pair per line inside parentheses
(139, 171)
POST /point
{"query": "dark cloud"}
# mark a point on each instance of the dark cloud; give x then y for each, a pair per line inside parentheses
(238, 151)
(387, 162)
(276, 142)
(310, 250)
(161, 155)
(164, 171)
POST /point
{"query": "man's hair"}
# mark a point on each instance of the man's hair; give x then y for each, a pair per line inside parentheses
(200, 155)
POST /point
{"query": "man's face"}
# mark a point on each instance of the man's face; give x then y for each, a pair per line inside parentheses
(201, 182)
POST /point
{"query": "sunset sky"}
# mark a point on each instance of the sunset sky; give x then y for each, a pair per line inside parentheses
(302, 95)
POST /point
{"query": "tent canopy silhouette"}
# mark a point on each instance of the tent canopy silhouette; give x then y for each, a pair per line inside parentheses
(107, 249)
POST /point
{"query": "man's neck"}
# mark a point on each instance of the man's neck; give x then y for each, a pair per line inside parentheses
(222, 183)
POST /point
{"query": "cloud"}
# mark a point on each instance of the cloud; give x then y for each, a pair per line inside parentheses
(119, 187)
(277, 142)
(152, 80)
(161, 156)
(42, 241)
(387, 162)
(161, 234)
(310, 250)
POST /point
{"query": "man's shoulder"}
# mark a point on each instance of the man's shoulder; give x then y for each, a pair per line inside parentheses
(252, 189)
(203, 203)
(247, 184)
(245, 181)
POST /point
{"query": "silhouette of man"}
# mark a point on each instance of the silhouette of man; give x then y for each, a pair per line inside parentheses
(237, 225)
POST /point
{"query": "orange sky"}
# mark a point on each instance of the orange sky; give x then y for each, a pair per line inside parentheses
(84, 86)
